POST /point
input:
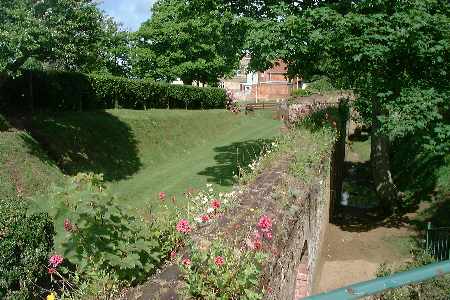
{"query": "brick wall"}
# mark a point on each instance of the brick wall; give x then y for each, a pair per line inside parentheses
(271, 91)
(293, 272)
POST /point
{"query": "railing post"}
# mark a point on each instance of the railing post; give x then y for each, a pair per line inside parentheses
(428, 236)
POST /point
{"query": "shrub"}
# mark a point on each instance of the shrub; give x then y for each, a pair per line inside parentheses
(213, 269)
(25, 245)
(222, 272)
(319, 85)
(101, 236)
(70, 91)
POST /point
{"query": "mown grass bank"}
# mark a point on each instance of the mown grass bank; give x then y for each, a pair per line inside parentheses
(25, 169)
(142, 153)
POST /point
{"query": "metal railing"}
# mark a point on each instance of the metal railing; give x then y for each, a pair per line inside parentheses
(438, 242)
(376, 286)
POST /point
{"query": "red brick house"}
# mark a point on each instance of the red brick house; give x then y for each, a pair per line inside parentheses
(271, 84)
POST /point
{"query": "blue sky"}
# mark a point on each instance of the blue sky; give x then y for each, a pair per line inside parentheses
(131, 13)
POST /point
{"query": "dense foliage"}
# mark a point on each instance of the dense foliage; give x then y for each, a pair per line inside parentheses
(223, 272)
(106, 244)
(191, 40)
(393, 54)
(319, 86)
(100, 234)
(61, 34)
(25, 245)
(60, 91)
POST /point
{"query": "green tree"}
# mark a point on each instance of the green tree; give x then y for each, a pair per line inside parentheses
(393, 54)
(58, 34)
(115, 48)
(191, 40)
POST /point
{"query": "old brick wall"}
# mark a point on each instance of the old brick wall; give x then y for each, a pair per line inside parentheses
(271, 91)
(292, 273)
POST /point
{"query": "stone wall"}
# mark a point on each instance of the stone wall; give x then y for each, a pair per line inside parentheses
(292, 273)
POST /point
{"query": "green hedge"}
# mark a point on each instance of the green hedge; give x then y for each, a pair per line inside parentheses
(69, 91)
(25, 245)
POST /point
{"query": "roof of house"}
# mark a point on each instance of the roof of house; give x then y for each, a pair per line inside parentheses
(279, 67)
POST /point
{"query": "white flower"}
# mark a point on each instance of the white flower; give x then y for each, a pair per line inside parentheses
(210, 210)
(208, 185)
(210, 190)
(198, 220)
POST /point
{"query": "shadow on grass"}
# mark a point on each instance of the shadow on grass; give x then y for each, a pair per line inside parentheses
(36, 150)
(354, 219)
(229, 158)
(86, 142)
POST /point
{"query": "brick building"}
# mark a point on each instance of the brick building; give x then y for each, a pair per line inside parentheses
(271, 84)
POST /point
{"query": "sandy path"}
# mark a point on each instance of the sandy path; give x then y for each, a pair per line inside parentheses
(350, 257)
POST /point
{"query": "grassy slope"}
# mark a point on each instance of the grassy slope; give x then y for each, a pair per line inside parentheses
(24, 168)
(144, 152)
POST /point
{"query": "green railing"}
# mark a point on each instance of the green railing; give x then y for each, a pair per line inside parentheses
(376, 286)
(438, 242)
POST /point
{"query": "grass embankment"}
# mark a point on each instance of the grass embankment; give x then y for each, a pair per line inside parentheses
(24, 168)
(142, 153)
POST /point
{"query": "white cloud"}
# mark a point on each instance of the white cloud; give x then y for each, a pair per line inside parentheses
(131, 13)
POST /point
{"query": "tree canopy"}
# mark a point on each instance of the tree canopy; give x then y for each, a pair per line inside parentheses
(191, 40)
(62, 34)
(393, 54)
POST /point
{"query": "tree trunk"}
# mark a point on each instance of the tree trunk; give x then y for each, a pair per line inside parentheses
(3, 79)
(30, 90)
(381, 171)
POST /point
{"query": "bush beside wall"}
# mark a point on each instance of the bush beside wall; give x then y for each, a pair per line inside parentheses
(69, 91)
(25, 245)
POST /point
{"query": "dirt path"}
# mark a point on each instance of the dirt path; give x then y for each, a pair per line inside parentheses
(359, 241)
(350, 257)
